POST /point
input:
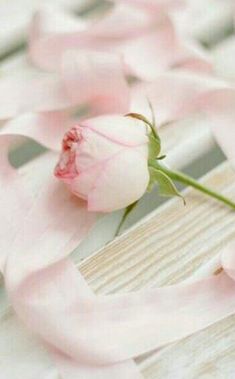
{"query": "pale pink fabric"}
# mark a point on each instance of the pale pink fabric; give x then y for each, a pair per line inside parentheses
(175, 95)
(48, 127)
(97, 80)
(92, 336)
(53, 31)
(52, 196)
(96, 336)
(44, 106)
(219, 107)
(163, 49)
(85, 79)
(31, 94)
(147, 41)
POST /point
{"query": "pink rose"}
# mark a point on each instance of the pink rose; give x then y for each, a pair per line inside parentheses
(104, 161)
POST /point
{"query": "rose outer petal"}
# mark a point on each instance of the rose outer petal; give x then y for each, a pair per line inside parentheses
(126, 131)
(120, 184)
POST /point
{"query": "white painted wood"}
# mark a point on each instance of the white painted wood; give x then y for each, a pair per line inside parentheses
(207, 21)
(224, 58)
(205, 355)
(168, 246)
(172, 237)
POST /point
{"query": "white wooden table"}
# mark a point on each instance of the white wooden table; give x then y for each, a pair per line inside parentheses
(172, 242)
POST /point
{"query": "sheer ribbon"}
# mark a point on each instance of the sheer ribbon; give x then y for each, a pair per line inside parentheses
(96, 336)
(91, 336)
(147, 41)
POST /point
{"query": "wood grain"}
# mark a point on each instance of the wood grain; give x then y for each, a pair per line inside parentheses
(205, 355)
(167, 247)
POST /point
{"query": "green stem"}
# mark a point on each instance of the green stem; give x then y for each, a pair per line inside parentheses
(185, 179)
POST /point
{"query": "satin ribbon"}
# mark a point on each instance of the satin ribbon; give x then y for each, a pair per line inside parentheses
(72, 211)
(90, 336)
(84, 79)
(147, 41)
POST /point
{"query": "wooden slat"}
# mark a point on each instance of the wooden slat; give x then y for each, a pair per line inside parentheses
(205, 355)
(223, 55)
(167, 247)
(186, 141)
(210, 21)
(170, 243)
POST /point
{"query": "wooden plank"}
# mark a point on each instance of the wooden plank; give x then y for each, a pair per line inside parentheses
(186, 141)
(223, 55)
(205, 355)
(167, 247)
(169, 244)
(209, 21)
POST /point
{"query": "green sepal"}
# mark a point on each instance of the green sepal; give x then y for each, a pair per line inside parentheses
(154, 147)
(160, 158)
(165, 184)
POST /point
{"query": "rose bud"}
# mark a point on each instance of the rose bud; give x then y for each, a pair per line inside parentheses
(110, 161)
(104, 160)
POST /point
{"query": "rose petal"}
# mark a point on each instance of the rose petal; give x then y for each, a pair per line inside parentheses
(126, 131)
(127, 186)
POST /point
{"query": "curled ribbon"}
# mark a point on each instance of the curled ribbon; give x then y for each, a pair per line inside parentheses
(147, 41)
(91, 336)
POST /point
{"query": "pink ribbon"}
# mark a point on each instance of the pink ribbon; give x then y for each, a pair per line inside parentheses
(147, 41)
(90, 336)
(85, 79)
